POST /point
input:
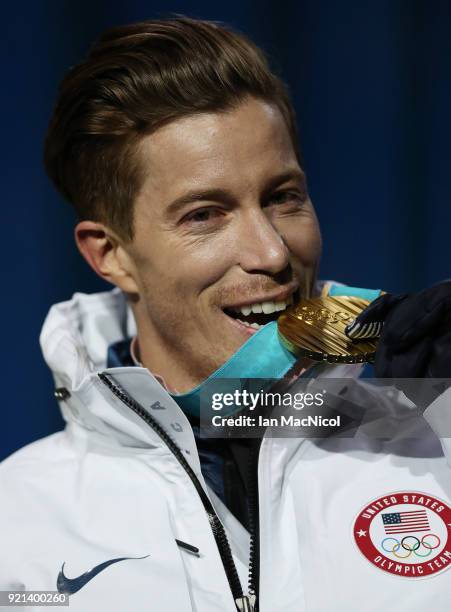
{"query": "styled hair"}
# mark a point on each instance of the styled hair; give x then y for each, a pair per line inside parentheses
(135, 79)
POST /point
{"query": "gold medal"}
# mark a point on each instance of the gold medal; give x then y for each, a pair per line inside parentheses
(315, 328)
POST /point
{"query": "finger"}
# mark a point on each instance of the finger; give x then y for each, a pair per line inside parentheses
(369, 322)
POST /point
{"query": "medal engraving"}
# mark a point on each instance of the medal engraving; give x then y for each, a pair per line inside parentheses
(315, 328)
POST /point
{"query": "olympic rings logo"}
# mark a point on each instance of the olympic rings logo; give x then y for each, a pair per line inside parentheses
(323, 315)
(424, 543)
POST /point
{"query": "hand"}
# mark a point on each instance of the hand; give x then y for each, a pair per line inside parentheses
(415, 333)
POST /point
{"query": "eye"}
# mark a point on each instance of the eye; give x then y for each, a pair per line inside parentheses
(202, 216)
(292, 198)
(199, 216)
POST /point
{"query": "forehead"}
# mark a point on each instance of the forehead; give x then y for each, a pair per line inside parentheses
(236, 147)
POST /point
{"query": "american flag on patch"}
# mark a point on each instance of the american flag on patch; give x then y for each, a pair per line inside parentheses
(404, 522)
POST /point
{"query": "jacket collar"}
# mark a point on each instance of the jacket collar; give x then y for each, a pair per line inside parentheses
(74, 340)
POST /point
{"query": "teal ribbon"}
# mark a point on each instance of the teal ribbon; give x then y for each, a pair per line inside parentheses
(343, 290)
(261, 357)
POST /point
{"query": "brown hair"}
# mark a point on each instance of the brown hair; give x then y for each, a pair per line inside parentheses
(135, 79)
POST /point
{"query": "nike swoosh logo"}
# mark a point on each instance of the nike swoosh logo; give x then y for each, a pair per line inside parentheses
(69, 586)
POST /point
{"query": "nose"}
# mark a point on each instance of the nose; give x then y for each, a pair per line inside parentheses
(262, 249)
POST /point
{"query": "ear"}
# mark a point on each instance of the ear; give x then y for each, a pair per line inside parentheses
(105, 253)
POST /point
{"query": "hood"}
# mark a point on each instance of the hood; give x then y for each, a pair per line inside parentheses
(77, 333)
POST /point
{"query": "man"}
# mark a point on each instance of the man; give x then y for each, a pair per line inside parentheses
(177, 147)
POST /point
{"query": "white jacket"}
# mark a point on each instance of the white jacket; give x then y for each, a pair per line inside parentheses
(108, 487)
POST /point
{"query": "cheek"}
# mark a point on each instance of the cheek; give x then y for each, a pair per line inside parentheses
(304, 241)
(187, 267)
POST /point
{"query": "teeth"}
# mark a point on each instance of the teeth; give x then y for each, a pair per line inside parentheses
(264, 307)
(253, 325)
(269, 307)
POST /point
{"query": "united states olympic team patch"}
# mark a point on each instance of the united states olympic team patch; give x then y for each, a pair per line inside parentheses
(406, 534)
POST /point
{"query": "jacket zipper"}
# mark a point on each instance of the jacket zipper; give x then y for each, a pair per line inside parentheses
(244, 603)
(254, 524)
(254, 511)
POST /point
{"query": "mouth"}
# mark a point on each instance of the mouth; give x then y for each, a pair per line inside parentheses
(253, 315)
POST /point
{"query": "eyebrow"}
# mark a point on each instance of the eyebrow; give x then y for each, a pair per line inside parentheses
(222, 195)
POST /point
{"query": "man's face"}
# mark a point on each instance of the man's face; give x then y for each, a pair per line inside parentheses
(223, 223)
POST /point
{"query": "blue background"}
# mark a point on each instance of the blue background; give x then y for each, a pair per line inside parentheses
(371, 82)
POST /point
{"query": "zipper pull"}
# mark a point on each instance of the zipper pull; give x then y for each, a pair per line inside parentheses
(246, 603)
(188, 547)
